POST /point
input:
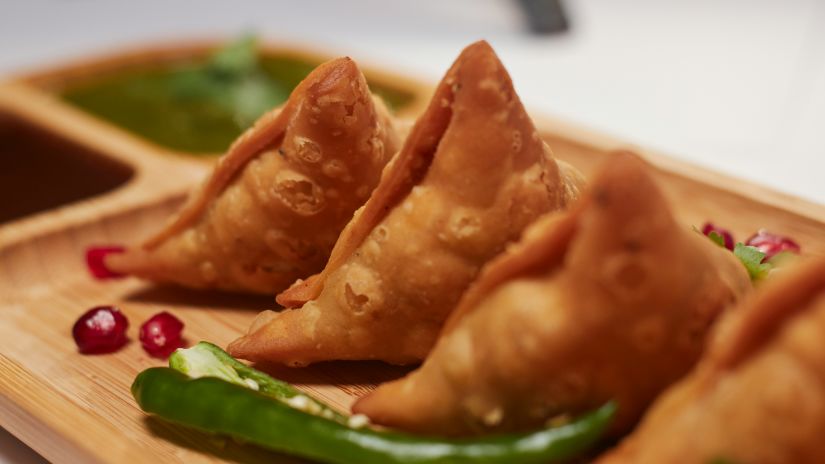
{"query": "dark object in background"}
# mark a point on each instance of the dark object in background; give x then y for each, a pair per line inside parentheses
(545, 16)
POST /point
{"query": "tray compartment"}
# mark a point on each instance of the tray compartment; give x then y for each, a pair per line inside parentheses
(135, 92)
(39, 170)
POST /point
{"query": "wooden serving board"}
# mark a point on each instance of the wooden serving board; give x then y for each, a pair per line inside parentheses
(75, 408)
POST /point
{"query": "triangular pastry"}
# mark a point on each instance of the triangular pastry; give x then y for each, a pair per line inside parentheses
(758, 395)
(608, 301)
(275, 204)
(472, 174)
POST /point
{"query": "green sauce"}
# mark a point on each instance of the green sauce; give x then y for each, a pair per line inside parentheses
(199, 107)
(142, 102)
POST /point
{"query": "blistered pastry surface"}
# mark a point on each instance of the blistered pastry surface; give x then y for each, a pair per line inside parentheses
(260, 223)
(618, 311)
(471, 176)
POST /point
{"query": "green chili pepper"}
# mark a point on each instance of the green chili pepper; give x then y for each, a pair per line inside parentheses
(208, 360)
(217, 406)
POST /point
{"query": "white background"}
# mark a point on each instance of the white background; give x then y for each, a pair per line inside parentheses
(736, 85)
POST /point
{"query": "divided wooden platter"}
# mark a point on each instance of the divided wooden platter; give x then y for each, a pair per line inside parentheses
(74, 408)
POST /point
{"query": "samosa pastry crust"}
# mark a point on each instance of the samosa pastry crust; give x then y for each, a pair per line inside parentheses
(274, 205)
(758, 396)
(471, 176)
(610, 301)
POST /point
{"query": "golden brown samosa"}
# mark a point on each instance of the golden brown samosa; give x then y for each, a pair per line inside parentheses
(472, 174)
(275, 204)
(758, 396)
(609, 301)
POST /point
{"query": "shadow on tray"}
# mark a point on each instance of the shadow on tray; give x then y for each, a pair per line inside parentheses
(356, 378)
(221, 447)
(178, 296)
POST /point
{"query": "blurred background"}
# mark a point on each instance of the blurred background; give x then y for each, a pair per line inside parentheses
(734, 85)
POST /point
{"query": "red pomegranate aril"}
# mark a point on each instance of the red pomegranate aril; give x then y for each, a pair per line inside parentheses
(95, 260)
(772, 244)
(100, 330)
(161, 335)
(726, 235)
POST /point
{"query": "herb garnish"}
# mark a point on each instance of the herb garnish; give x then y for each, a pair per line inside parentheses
(232, 81)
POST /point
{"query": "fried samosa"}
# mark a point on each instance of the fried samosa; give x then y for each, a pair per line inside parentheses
(472, 174)
(609, 301)
(274, 205)
(758, 396)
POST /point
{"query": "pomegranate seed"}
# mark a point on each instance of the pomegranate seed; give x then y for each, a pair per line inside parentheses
(95, 257)
(726, 235)
(161, 335)
(100, 330)
(772, 244)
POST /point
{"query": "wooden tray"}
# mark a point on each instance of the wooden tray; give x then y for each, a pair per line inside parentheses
(74, 408)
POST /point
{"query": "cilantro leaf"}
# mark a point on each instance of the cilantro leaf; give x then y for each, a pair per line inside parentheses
(752, 258)
(231, 81)
(235, 59)
(254, 96)
(717, 238)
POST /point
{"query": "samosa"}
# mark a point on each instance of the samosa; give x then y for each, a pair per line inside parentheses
(472, 174)
(758, 396)
(609, 301)
(275, 204)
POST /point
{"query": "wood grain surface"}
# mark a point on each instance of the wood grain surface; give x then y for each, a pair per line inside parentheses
(75, 408)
